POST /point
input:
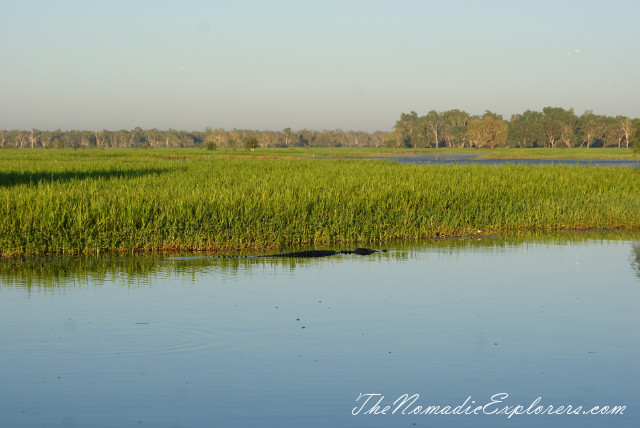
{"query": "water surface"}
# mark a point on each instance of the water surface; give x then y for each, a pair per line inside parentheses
(200, 342)
(471, 159)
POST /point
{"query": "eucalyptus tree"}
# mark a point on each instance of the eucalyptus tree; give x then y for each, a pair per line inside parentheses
(34, 138)
(325, 139)
(489, 113)
(20, 139)
(217, 136)
(454, 129)
(613, 133)
(268, 139)
(525, 130)
(137, 138)
(46, 139)
(100, 138)
(590, 128)
(288, 136)
(559, 125)
(487, 131)
(626, 128)
(153, 137)
(356, 139)
(304, 138)
(432, 124)
(378, 138)
(406, 130)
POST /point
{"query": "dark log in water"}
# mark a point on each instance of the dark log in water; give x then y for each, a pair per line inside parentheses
(325, 253)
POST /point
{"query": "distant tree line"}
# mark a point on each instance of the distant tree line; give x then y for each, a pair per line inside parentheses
(210, 138)
(552, 127)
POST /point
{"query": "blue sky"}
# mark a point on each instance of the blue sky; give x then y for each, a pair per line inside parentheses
(309, 64)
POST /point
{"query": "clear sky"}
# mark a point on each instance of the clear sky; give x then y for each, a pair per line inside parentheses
(309, 64)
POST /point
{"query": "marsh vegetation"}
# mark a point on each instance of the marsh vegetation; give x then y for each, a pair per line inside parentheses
(93, 202)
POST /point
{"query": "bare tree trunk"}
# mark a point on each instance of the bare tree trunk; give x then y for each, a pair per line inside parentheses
(21, 139)
(265, 140)
(626, 126)
(32, 139)
(552, 141)
(99, 140)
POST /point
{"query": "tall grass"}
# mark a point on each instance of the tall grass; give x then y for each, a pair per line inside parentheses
(66, 202)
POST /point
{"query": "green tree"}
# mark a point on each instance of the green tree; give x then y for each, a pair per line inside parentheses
(406, 130)
(613, 133)
(492, 115)
(627, 129)
(137, 138)
(454, 127)
(305, 138)
(431, 129)
(153, 137)
(324, 139)
(488, 131)
(590, 128)
(559, 125)
(251, 143)
(636, 124)
(288, 136)
(34, 138)
(525, 130)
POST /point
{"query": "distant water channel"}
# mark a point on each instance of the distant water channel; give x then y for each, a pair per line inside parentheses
(195, 341)
(471, 159)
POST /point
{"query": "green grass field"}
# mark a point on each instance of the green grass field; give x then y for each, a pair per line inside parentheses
(106, 201)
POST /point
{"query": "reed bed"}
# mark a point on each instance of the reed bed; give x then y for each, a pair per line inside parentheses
(94, 202)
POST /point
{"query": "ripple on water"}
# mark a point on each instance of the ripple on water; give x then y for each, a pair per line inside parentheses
(137, 338)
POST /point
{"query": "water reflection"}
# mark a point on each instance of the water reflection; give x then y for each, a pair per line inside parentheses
(635, 257)
(60, 272)
(197, 341)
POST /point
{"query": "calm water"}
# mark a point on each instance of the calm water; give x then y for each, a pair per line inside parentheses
(471, 159)
(200, 342)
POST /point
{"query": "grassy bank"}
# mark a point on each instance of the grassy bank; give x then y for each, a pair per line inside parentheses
(559, 153)
(71, 202)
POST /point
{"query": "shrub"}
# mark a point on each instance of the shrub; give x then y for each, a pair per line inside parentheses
(251, 143)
